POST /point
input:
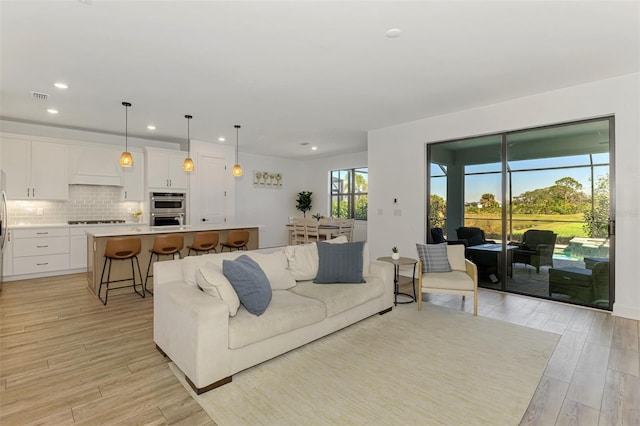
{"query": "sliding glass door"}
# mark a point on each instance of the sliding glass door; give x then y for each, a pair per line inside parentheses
(533, 208)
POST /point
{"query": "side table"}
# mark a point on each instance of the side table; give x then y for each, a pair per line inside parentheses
(403, 261)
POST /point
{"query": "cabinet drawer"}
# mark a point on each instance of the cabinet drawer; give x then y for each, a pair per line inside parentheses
(40, 233)
(40, 246)
(35, 264)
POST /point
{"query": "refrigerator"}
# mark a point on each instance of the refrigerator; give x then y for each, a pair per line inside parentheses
(3, 221)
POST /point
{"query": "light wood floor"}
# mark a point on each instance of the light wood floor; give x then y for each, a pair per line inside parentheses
(66, 359)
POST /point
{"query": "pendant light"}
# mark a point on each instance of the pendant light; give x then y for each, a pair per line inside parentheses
(237, 170)
(126, 160)
(188, 166)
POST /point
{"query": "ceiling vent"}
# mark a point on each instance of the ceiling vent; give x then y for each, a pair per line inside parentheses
(39, 96)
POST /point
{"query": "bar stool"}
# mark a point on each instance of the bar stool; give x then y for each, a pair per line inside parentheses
(121, 248)
(164, 245)
(236, 238)
(204, 242)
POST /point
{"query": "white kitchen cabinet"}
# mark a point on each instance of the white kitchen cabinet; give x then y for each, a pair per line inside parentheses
(35, 170)
(164, 169)
(40, 250)
(95, 165)
(134, 179)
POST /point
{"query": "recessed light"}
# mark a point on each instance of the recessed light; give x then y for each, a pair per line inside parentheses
(151, 127)
(394, 32)
(52, 111)
(61, 85)
(314, 148)
(221, 139)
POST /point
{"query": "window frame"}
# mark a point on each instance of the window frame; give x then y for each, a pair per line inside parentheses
(351, 195)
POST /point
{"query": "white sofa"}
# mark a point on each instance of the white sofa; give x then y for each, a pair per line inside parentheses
(196, 331)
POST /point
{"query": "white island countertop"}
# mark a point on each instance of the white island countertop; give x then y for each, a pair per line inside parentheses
(122, 231)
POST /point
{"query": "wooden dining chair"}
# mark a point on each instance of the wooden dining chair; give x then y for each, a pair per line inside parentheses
(299, 233)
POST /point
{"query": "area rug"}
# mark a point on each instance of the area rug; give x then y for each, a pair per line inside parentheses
(437, 366)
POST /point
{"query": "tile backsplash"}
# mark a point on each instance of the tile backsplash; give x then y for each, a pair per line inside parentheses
(86, 202)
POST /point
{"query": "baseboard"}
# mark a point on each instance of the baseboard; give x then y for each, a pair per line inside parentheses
(626, 311)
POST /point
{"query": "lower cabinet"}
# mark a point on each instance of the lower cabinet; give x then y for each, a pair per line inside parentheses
(40, 250)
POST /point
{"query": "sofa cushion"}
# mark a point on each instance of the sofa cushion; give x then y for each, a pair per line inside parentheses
(340, 263)
(276, 268)
(454, 280)
(250, 282)
(303, 261)
(434, 257)
(191, 264)
(212, 281)
(339, 298)
(287, 311)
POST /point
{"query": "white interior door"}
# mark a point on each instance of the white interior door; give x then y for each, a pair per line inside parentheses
(212, 189)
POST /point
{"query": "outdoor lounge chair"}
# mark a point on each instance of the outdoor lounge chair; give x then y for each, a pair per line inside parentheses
(536, 248)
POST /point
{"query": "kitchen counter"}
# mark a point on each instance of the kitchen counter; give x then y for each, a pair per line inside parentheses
(97, 240)
(141, 229)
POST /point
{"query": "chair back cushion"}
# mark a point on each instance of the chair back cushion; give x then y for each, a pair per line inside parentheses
(455, 253)
(434, 257)
(473, 235)
(437, 236)
(533, 237)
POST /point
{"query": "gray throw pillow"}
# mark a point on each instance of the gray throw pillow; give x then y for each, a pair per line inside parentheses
(434, 257)
(340, 263)
(250, 283)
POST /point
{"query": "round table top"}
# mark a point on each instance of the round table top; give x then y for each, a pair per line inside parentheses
(401, 261)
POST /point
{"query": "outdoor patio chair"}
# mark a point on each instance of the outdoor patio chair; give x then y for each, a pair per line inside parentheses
(472, 236)
(536, 248)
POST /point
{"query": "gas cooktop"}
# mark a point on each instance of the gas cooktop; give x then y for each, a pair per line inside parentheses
(94, 222)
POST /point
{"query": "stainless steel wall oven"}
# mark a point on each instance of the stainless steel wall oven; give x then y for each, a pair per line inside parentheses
(167, 208)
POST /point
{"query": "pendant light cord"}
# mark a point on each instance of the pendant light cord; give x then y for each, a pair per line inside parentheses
(237, 126)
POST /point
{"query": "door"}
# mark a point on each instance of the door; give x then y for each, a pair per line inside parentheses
(212, 189)
(542, 197)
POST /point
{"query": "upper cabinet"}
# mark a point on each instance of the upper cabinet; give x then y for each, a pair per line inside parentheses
(134, 179)
(95, 166)
(164, 169)
(35, 170)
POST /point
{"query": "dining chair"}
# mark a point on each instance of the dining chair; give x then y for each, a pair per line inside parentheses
(346, 228)
(298, 234)
(312, 233)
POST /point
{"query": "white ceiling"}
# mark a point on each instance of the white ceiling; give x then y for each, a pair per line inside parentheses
(320, 72)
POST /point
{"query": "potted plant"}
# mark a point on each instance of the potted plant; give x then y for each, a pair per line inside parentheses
(394, 253)
(317, 216)
(304, 202)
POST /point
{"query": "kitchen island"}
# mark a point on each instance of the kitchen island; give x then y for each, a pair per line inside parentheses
(96, 243)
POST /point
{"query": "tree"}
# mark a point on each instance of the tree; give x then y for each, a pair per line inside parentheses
(489, 203)
(596, 220)
(304, 202)
(438, 208)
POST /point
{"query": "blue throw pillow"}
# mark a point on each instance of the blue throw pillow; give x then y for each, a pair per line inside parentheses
(340, 263)
(434, 257)
(250, 282)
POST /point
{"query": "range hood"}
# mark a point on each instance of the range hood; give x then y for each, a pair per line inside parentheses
(95, 166)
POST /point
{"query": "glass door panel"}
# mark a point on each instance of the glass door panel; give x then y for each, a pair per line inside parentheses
(558, 212)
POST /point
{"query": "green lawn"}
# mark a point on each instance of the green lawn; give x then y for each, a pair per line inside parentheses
(566, 226)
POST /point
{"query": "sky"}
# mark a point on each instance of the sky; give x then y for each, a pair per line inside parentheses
(522, 181)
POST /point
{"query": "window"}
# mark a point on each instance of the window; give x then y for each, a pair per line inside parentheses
(349, 193)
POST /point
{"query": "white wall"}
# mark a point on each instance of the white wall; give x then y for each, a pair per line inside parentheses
(269, 208)
(397, 167)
